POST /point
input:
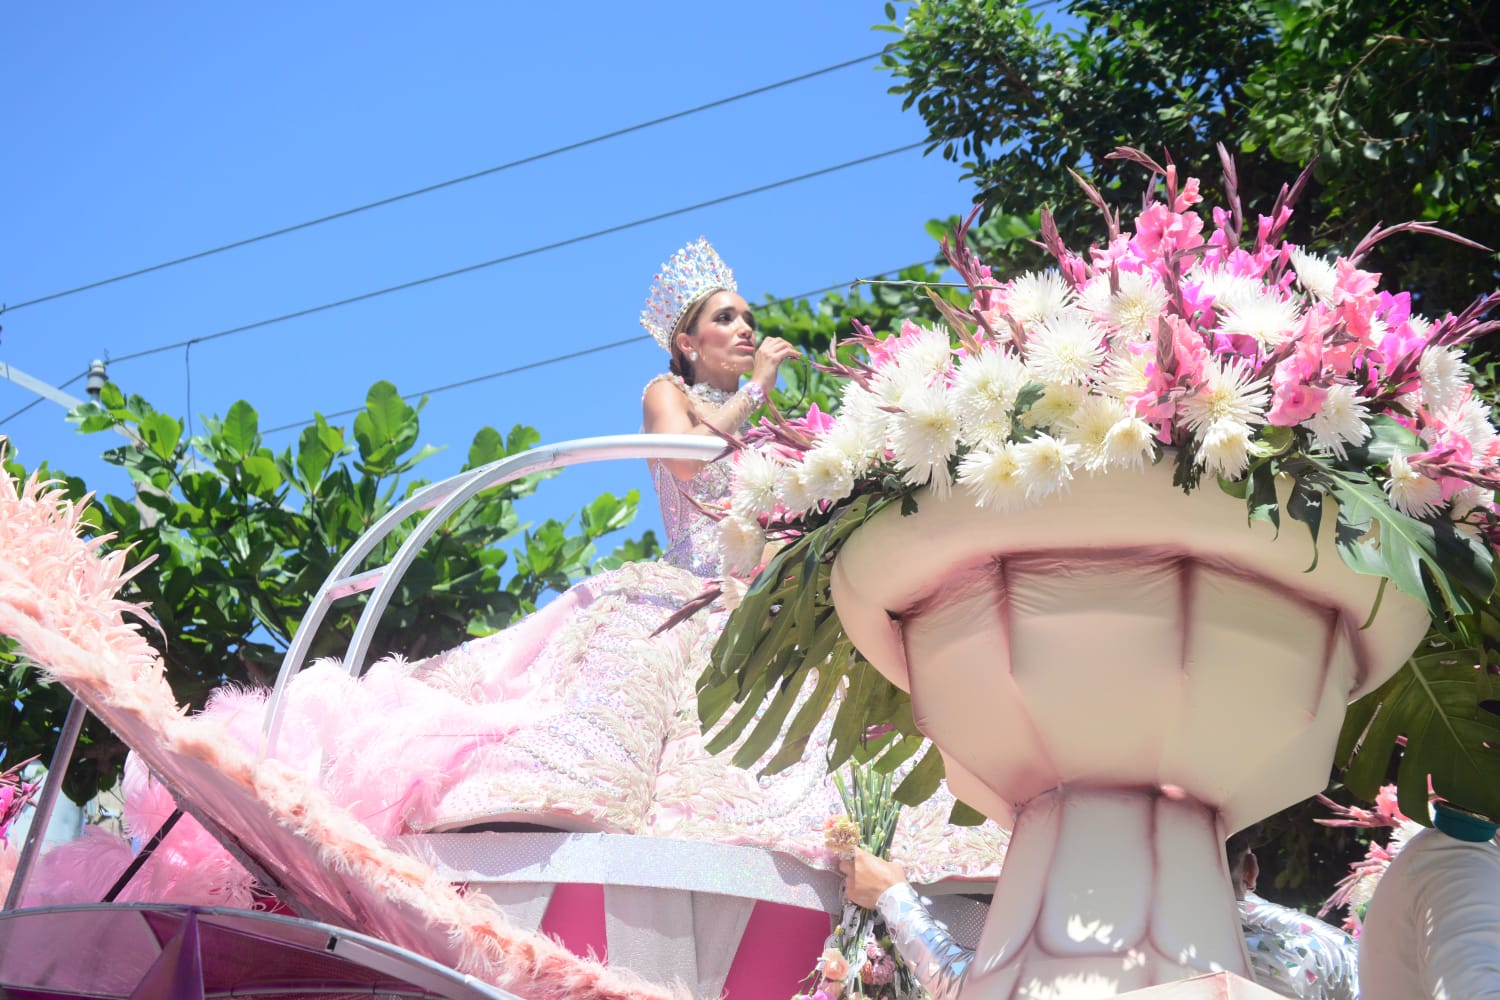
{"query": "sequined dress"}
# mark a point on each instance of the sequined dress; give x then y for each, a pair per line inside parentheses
(581, 718)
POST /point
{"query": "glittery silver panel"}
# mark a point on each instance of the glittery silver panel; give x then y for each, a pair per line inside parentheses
(938, 962)
(1297, 955)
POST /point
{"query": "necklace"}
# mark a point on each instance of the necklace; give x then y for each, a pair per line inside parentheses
(709, 394)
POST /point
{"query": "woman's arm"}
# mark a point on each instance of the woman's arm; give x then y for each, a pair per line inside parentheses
(938, 962)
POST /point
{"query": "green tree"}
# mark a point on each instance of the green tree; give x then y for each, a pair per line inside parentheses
(1395, 101)
(240, 537)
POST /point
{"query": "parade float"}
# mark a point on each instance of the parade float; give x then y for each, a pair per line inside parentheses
(1017, 554)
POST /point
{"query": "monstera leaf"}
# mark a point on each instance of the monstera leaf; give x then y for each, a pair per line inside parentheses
(1440, 709)
(784, 662)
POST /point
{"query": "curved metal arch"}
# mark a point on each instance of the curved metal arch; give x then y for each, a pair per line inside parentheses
(443, 499)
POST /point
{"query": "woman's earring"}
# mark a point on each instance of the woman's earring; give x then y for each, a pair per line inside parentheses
(692, 355)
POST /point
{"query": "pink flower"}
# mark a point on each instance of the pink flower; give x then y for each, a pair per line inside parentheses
(1386, 806)
(833, 964)
(878, 971)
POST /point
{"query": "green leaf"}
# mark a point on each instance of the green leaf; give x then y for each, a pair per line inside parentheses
(240, 430)
(261, 475)
(1435, 704)
(923, 780)
(1305, 504)
(161, 433)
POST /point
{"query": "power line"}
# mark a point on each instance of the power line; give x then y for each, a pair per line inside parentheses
(448, 183)
(516, 256)
(597, 349)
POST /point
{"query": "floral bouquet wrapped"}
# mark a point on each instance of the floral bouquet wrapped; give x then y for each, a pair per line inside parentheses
(15, 795)
(860, 960)
(1200, 339)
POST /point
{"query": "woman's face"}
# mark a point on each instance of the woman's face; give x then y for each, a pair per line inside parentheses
(723, 336)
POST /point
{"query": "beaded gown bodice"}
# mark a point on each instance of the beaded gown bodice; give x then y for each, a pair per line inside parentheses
(692, 542)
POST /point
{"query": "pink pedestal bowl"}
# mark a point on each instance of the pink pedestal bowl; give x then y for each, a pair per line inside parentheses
(1129, 674)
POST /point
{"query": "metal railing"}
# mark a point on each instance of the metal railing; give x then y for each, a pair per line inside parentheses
(442, 500)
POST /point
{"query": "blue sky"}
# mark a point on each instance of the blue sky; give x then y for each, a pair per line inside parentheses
(139, 133)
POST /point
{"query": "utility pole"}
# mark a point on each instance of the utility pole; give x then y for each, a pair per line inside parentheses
(97, 376)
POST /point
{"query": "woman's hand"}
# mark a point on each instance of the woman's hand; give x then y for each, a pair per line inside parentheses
(866, 877)
(769, 355)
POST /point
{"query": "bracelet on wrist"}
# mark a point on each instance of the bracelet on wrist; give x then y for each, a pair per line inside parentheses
(754, 393)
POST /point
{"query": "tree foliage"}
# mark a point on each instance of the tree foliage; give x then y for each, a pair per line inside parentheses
(240, 537)
(1395, 102)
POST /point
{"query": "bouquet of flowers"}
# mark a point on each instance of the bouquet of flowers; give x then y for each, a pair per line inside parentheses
(860, 960)
(15, 795)
(1355, 890)
(1211, 343)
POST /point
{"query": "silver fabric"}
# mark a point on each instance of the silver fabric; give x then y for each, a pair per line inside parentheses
(1297, 955)
(627, 860)
(667, 935)
(938, 962)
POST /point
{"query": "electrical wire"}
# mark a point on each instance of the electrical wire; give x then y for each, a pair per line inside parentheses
(391, 200)
(366, 296)
(599, 348)
(8, 419)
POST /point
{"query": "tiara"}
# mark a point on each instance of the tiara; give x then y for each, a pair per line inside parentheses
(693, 272)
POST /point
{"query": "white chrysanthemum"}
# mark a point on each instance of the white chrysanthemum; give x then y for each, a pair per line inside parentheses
(1471, 418)
(1136, 307)
(927, 353)
(1419, 324)
(1088, 427)
(1129, 443)
(1266, 316)
(1123, 374)
(924, 436)
(757, 481)
(1469, 499)
(1037, 296)
(1445, 382)
(1228, 393)
(742, 544)
(795, 493)
(1055, 407)
(1411, 492)
(858, 442)
(860, 414)
(1317, 276)
(1066, 349)
(1046, 465)
(1342, 419)
(895, 383)
(1224, 449)
(994, 478)
(1228, 290)
(985, 390)
(826, 472)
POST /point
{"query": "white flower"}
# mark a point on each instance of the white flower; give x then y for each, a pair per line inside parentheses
(1224, 450)
(924, 435)
(742, 544)
(927, 352)
(1056, 405)
(984, 392)
(1469, 499)
(1129, 443)
(1065, 349)
(826, 472)
(796, 494)
(1227, 289)
(1046, 465)
(1471, 418)
(1266, 316)
(757, 480)
(1228, 393)
(895, 383)
(1316, 275)
(861, 416)
(1088, 427)
(1136, 307)
(857, 441)
(994, 478)
(1445, 383)
(1411, 492)
(1123, 373)
(1340, 420)
(1037, 296)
